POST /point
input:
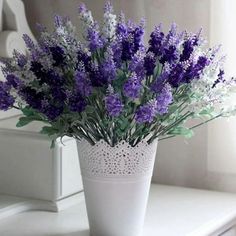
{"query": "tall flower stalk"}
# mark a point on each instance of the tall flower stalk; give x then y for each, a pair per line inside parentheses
(111, 86)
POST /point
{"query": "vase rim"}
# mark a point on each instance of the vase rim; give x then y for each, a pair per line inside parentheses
(122, 142)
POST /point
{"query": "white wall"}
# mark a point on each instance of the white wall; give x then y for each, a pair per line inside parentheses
(179, 161)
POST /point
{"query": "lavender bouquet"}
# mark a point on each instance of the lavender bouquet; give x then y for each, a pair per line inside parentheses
(111, 86)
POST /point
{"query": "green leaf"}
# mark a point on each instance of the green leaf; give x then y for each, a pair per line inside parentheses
(89, 109)
(53, 144)
(179, 130)
(209, 113)
(49, 130)
(123, 123)
(24, 121)
(27, 111)
(172, 108)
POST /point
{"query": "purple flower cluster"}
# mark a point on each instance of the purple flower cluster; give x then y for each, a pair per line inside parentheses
(159, 83)
(77, 102)
(108, 67)
(165, 47)
(83, 84)
(93, 35)
(57, 55)
(176, 50)
(146, 113)
(6, 100)
(130, 39)
(156, 40)
(149, 63)
(13, 81)
(94, 39)
(179, 74)
(132, 87)
(219, 79)
(137, 64)
(113, 104)
(164, 99)
(61, 76)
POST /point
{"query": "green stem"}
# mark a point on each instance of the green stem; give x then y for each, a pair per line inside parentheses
(205, 122)
(166, 129)
(193, 127)
(16, 107)
(177, 122)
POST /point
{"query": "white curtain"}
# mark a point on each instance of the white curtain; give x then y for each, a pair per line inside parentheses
(221, 164)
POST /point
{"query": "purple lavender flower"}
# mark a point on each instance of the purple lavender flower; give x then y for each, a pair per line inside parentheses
(97, 77)
(149, 63)
(13, 81)
(94, 39)
(220, 78)
(127, 48)
(53, 79)
(37, 69)
(52, 112)
(113, 104)
(109, 23)
(137, 64)
(176, 75)
(58, 94)
(179, 75)
(159, 82)
(83, 84)
(146, 113)
(77, 103)
(138, 33)
(108, 67)
(121, 30)
(32, 97)
(21, 60)
(188, 47)
(28, 42)
(117, 52)
(130, 37)
(82, 9)
(156, 41)
(172, 34)
(132, 87)
(41, 28)
(169, 54)
(164, 99)
(108, 8)
(6, 100)
(93, 36)
(57, 55)
(202, 62)
(85, 59)
(58, 21)
(121, 27)
(194, 70)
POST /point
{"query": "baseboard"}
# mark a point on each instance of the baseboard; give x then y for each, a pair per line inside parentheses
(10, 205)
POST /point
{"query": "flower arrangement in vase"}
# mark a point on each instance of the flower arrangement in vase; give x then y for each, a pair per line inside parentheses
(117, 97)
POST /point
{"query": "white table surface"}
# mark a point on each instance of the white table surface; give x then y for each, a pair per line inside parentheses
(172, 211)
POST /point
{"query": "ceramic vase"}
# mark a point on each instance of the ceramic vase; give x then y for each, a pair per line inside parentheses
(116, 185)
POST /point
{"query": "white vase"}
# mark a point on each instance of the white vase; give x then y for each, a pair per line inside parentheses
(116, 186)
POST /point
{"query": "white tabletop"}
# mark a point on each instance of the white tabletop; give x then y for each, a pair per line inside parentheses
(172, 211)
